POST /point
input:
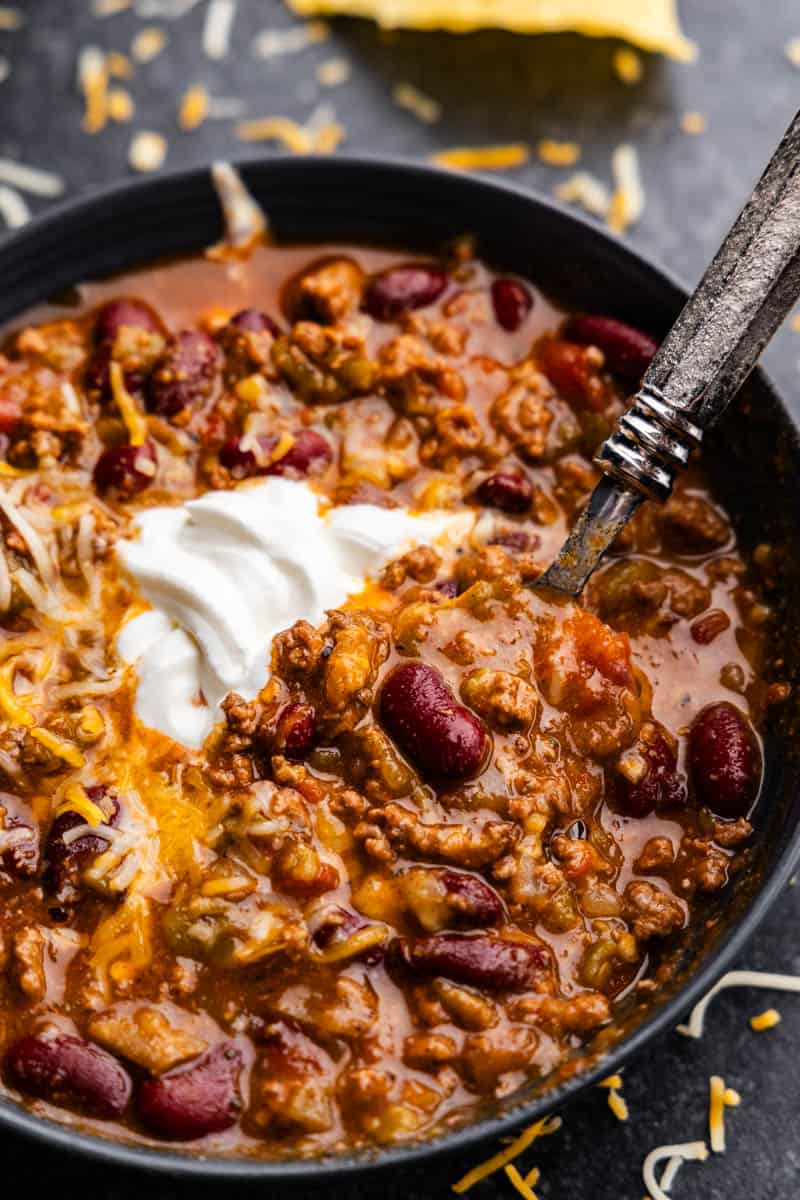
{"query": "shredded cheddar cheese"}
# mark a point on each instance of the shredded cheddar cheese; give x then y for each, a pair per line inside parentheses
(616, 1101)
(148, 44)
(716, 1113)
(760, 979)
(558, 154)
(120, 105)
(59, 746)
(193, 108)
(542, 1128)
(522, 1186)
(424, 108)
(693, 123)
(765, 1020)
(627, 202)
(628, 66)
(134, 421)
(483, 158)
(76, 800)
(93, 82)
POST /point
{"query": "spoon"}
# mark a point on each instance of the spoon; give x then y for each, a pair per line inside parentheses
(713, 346)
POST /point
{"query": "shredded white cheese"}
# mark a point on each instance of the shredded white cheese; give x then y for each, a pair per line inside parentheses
(13, 209)
(423, 107)
(148, 44)
(333, 72)
(760, 979)
(587, 190)
(30, 179)
(274, 43)
(147, 151)
(627, 202)
(245, 220)
(172, 10)
(217, 29)
(684, 1151)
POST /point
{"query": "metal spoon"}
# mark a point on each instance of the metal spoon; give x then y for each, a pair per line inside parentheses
(705, 358)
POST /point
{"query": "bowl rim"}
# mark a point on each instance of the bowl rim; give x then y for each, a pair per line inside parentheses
(471, 1136)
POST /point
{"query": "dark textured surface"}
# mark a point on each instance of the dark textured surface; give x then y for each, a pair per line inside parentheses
(496, 88)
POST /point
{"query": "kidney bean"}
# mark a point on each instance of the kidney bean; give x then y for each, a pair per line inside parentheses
(441, 737)
(21, 834)
(401, 289)
(336, 925)
(512, 302)
(518, 541)
(628, 351)
(448, 588)
(574, 370)
(194, 1101)
(125, 469)
(70, 1072)
(473, 900)
(253, 320)
(296, 730)
(507, 490)
(709, 626)
(661, 786)
(310, 452)
(184, 374)
(724, 760)
(10, 415)
(125, 313)
(483, 960)
(65, 859)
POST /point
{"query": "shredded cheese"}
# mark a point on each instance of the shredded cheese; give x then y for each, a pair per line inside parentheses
(273, 43)
(483, 158)
(11, 19)
(118, 65)
(522, 1186)
(423, 107)
(759, 979)
(716, 1113)
(5, 69)
(792, 49)
(586, 190)
(542, 1128)
(93, 83)
(134, 421)
(684, 1151)
(11, 705)
(628, 66)
(59, 746)
(148, 44)
(217, 29)
(693, 123)
(30, 179)
(627, 202)
(333, 72)
(148, 151)
(76, 800)
(120, 105)
(13, 209)
(558, 154)
(109, 8)
(616, 1101)
(245, 220)
(193, 108)
(765, 1020)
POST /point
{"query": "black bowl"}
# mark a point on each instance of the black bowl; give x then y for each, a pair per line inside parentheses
(756, 468)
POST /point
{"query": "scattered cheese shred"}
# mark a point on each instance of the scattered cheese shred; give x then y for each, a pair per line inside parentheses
(13, 209)
(765, 1020)
(10, 19)
(716, 1113)
(30, 179)
(134, 421)
(120, 105)
(522, 1186)
(147, 151)
(542, 1128)
(653, 25)
(93, 83)
(558, 154)
(119, 66)
(77, 800)
(148, 44)
(795, 325)
(193, 108)
(732, 1098)
(483, 158)
(759, 979)
(109, 8)
(685, 1151)
(298, 139)
(588, 191)
(274, 43)
(245, 220)
(5, 69)
(59, 746)
(220, 15)
(792, 49)
(11, 705)
(628, 66)
(424, 108)
(627, 202)
(693, 123)
(333, 72)
(616, 1101)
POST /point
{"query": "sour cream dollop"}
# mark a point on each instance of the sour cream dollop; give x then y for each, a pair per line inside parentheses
(226, 572)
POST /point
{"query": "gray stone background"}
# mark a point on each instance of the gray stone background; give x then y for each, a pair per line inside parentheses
(493, 88)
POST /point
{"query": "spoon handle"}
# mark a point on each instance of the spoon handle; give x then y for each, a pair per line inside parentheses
(713, 346)
(716, 341)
